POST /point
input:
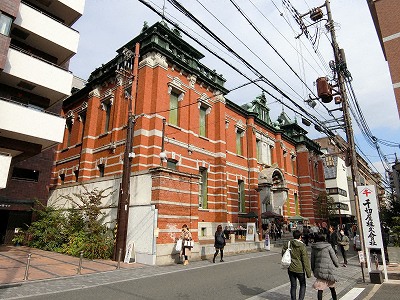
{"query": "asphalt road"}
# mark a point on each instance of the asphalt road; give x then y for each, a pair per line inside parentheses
(234, 280)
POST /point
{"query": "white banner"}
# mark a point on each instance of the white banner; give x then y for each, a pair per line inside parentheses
(251, 231)
(370, 216)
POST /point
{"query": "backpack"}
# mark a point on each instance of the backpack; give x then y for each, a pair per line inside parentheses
(286, 258)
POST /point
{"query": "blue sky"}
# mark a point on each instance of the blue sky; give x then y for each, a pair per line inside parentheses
(107, 25)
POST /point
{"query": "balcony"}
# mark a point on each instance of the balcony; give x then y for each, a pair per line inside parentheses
(67, 10)
(44, 33)
(23, 129)
(27, 72)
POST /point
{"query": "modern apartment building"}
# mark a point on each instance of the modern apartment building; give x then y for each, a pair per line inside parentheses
(36, 44)
(387, 24)
(221, 161)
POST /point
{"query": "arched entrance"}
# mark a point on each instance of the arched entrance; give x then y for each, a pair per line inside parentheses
(273, 190)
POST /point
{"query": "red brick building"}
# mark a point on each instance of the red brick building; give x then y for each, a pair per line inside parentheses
(385, 16)
(223, 160)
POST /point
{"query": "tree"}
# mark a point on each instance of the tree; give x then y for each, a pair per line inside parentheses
(389, 216)
(325, 206)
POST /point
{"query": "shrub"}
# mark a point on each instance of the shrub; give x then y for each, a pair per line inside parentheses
(71, 231)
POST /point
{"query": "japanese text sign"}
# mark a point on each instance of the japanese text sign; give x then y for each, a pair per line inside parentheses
(370, 216)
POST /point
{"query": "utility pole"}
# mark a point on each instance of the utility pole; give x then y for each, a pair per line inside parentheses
(339, 61)
(124, 194)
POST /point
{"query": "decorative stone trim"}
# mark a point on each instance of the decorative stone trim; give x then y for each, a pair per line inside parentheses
(154, 59)
(94, 93)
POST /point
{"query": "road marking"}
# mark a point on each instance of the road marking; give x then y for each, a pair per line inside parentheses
(264, 295)
(352, 294)
(373, 291)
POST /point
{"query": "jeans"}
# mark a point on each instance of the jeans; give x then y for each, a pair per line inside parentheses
(293, 284)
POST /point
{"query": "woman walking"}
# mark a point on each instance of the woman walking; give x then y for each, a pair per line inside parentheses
(186, 236)
(219, 243)
(323, 261)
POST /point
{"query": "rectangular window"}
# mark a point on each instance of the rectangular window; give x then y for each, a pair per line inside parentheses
(69, 132)
(62, 178)
(203, 121)
(241, 196)
(25, 174)
(296, 204)
(239, 143)
(82, 118)
(5, 24)
(258, 150)
(171, 164)
(76, 174)
(107, 108)
(203, 199)
(101, 169)
(173, 106)
(293, 162)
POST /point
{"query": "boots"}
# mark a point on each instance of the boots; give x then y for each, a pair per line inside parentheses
(215, 255)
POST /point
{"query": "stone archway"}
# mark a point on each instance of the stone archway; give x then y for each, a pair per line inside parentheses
(273, 190)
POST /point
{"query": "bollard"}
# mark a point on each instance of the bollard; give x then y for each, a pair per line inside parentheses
(119, 259)
(28, 263)
(80, 263)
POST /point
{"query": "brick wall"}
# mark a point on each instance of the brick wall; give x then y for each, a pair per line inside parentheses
(10, 7)
(4, 45)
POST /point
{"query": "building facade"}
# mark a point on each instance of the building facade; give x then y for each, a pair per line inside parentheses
(384, 15)
(338, 178)
(220, 160)
(34, 79)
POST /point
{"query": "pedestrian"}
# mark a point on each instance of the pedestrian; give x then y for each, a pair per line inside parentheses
(219, 243)
(274, 232)
(333, 238)
(186, 251)
(306, 234)
(343, 242)
(323, 261)
(385, 241)
(299, 267)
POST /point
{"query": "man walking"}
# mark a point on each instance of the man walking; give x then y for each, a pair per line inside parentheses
(344, 245)
(299, 267)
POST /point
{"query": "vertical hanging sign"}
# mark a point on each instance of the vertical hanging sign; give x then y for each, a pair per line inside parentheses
(370, 217)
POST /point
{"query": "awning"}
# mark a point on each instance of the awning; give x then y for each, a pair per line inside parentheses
(249, 215)
(271, 214)
(297, 218)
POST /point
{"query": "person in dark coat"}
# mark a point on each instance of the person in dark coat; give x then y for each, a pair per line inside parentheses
(333, 238)
(343, 242)
(219, 243)
(323, 263)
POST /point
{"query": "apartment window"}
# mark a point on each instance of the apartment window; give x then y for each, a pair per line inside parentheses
(69, 123)
(329, 161)
(172, 164)
(25, 174)
(203, 121)
(173, 106)
(241, 195)
(101, 169)
(5, 24)
(203, 203)
(239, 141)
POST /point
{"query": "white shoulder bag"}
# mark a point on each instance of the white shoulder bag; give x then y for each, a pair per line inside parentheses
(286, 258)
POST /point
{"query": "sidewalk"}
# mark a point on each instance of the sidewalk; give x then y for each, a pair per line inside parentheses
(47, 265)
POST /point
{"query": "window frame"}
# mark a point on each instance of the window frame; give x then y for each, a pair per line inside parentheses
(203, 191)
(241, 197)
(6, 22)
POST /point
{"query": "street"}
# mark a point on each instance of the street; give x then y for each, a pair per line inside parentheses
(246, 276)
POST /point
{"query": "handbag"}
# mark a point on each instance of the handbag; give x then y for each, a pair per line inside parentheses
(286, 258)
(178, 246)
(187, 243)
